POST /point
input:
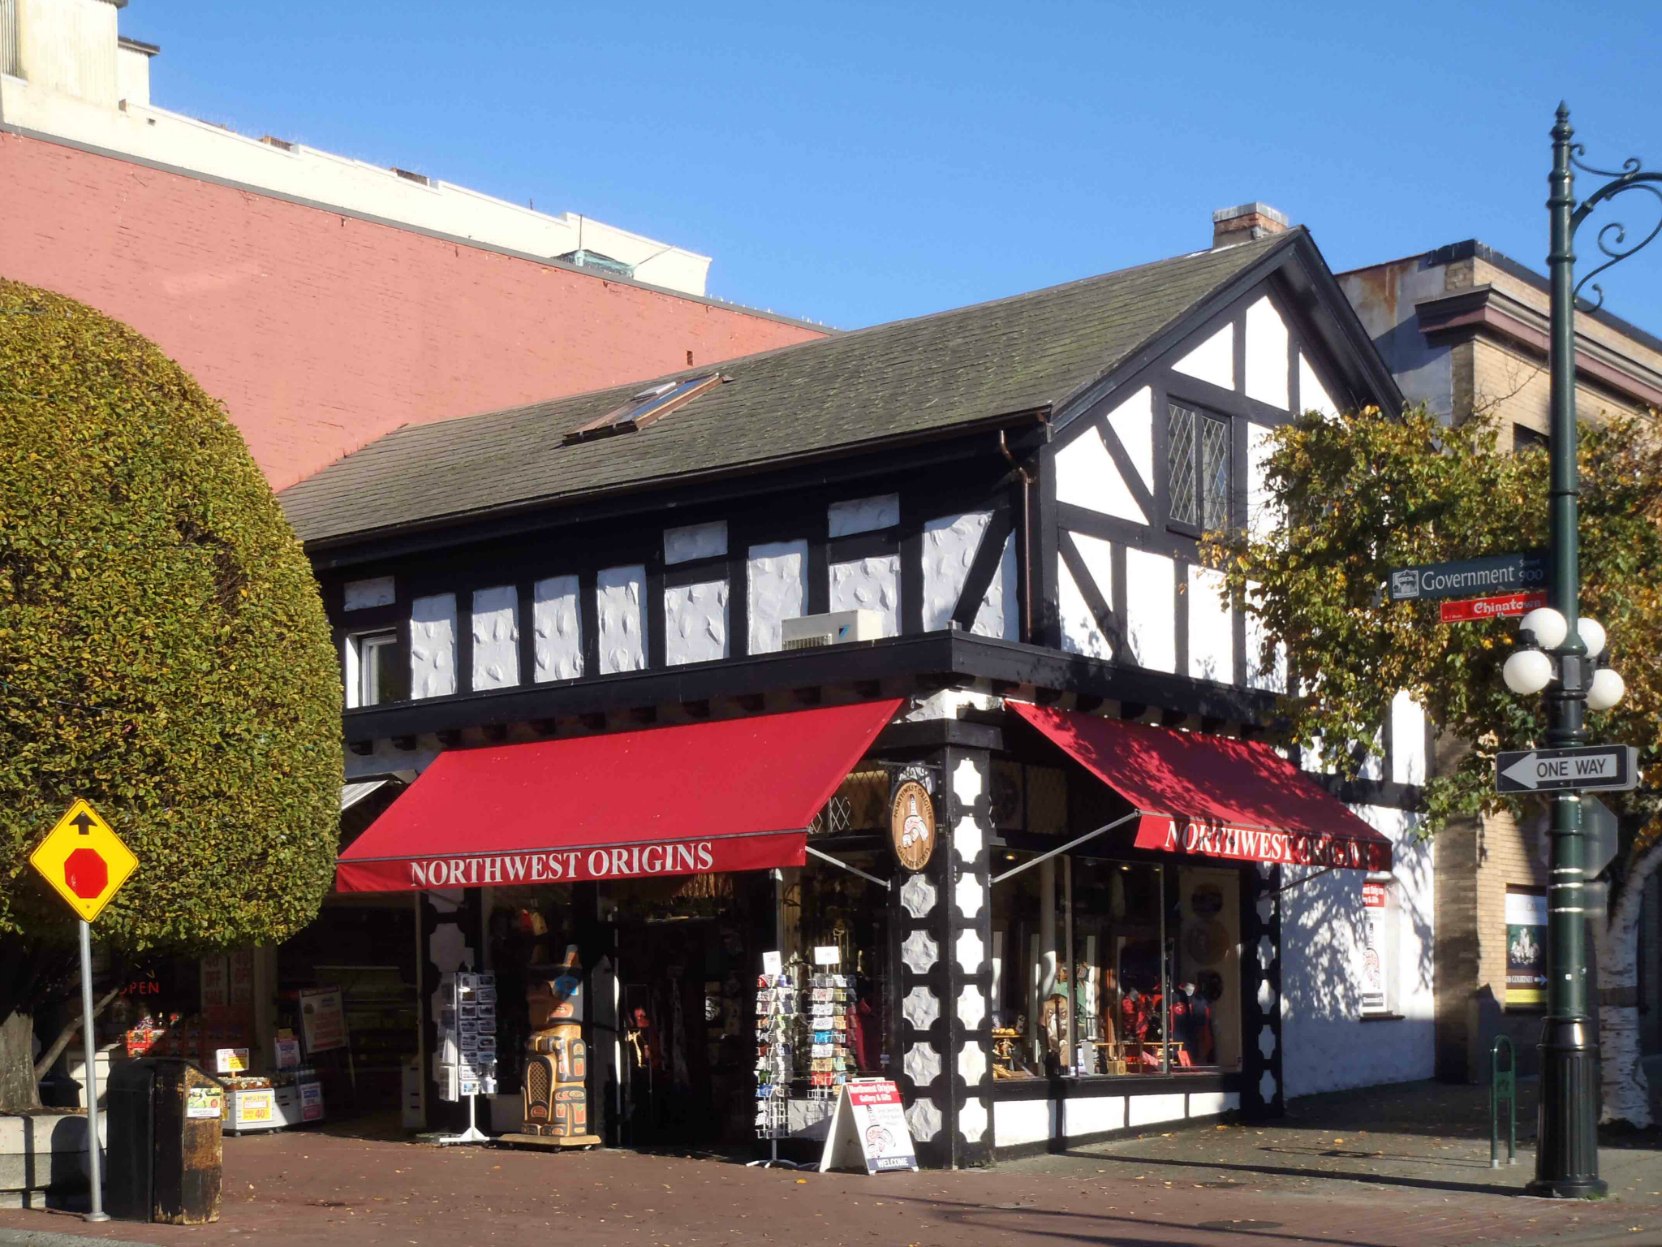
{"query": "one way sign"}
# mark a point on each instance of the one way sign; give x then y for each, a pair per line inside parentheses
(1608, 768)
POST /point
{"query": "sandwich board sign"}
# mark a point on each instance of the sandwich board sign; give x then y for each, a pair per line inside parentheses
(868, 1127)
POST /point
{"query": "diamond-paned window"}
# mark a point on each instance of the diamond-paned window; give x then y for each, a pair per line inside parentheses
(1197, 459)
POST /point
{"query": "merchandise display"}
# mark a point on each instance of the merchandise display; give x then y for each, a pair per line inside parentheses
(804, 1023)
(776, 1031)
(467, 1037)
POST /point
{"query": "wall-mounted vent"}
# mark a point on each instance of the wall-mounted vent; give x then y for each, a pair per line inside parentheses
(832, 628)
(420, 179)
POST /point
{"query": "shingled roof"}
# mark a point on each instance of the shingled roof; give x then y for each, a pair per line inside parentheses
(910, 377)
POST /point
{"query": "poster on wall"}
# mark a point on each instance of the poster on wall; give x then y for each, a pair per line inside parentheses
(322, 1019)
(1526, 949)
(1375, 949)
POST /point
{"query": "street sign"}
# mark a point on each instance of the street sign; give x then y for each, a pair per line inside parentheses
(1609, 768)
(1500, 606)
(84, 860)
(1498, 574)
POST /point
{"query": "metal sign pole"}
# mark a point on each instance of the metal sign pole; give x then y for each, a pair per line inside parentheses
(90, 1050)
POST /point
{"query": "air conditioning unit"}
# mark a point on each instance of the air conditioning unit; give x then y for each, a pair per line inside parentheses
(832, 628)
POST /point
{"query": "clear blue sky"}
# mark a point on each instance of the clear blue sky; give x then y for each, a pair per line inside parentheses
(857, 162)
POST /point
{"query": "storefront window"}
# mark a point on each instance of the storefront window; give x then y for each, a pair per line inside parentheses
(1105, 967)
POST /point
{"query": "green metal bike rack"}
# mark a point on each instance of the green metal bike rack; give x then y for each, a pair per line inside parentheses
(1503, 1087)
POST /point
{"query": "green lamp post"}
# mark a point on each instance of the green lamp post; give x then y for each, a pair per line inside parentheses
(1564, 666)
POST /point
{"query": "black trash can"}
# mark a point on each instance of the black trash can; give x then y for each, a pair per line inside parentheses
(165, 1148)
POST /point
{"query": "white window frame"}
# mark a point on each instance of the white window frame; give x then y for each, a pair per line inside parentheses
(359, 674)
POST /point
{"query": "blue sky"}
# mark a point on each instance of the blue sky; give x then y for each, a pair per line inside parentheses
(858, 162)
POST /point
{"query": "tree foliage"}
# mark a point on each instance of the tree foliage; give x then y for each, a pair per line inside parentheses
(1364, 493)
(163, 648)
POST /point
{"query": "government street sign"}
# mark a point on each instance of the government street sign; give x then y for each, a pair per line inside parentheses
(1470, 578)
(1609, 768)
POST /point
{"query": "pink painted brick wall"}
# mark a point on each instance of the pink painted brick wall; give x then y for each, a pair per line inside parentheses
(321, 332)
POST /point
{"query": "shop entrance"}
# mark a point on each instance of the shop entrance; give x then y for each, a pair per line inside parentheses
(686, 958)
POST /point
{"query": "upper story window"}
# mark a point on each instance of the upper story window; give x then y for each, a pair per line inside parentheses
(1197, 461)
(645, 407)
(374, 670)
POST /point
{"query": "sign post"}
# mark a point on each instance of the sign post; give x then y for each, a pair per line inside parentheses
(1497, 575)
(86, 863)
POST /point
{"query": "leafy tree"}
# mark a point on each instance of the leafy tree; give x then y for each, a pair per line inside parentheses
(1364, 493)
(163, 653)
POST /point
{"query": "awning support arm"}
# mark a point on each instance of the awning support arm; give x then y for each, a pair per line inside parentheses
(1299, 883)
(1046, 856)
(853, 870)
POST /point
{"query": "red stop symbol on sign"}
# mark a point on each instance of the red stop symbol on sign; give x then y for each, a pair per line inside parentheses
(86, 874)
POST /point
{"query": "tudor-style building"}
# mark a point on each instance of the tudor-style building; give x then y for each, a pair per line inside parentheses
(592, 633)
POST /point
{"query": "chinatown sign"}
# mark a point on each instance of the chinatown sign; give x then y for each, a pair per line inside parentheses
(1192, 838)
(1500, 606)
(572, 865)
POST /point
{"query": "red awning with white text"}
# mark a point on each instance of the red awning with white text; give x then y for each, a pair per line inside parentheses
(1213, 796)
(705, 797)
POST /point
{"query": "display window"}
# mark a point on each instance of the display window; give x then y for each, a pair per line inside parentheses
(1108, 968)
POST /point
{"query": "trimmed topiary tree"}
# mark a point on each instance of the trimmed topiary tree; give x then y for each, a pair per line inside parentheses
(163, 653)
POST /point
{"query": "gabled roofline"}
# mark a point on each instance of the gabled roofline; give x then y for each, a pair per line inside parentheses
(1354, 347)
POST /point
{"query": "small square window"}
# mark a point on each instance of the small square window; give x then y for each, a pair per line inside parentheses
(1198, 466)
(375, 670)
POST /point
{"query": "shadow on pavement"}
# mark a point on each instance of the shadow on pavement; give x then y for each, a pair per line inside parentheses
(1340, 1175)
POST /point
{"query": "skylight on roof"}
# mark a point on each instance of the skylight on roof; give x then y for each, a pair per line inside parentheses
(642, 409)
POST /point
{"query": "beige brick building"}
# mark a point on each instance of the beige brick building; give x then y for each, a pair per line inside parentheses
(1464, 329)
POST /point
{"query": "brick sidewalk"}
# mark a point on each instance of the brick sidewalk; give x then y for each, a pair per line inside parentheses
(308, 1188)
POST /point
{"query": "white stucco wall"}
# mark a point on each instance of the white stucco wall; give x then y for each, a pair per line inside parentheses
(1325, 1045)
(869, 584)
(1211, 627)
(1151, 609)
(495, 638)
(1213, 360)
(1266, 354)
(777, 587)
(558, 643)
(433, 646)
(949, 547)
(998, 615)
(620, 614)
(695, 622)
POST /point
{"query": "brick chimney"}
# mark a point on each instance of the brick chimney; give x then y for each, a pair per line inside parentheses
(1245, 223)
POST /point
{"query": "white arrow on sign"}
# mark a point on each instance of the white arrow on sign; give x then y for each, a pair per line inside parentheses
(1523, 771)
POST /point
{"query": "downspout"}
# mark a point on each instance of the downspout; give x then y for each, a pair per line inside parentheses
(1025, 475)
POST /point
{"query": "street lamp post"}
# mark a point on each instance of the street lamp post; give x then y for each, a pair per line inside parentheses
(1566, 1150)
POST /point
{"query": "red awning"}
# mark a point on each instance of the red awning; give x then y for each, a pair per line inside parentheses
(731, 795)
(1212, 796)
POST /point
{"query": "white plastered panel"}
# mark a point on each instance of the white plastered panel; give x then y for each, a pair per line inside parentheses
(869, 584)
(1312, 395)
(1081, 634)
(1262, 514)
(495, 638)
(778, 589)
(695, 541)
(620, 613)
(998, 615)
(863, 515)
(558, 635)
(1266, 354)
(1211, 627)
(1086, 476)
(695, 622)
(1213, 360)
(1407, 740)
(433, 646)
(363, 594)
(1272, 677)
(949, 546)
(1150, 609)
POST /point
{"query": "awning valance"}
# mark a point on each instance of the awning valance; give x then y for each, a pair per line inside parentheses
(736, 794)
(1213, 796)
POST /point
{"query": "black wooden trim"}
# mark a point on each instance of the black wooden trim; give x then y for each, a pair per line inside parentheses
(1238, 343)
(909, 545)
(655, 624)
(1372, 791)
(588, 620)
(983, 567)
(819, 570)
(464, 641)
(738, 592)
(527, 629)
(872, 545)
(1041, 555)
(704, 571)
(371, 619)
(899, 664)
(1102, 1086)
(1180, 615)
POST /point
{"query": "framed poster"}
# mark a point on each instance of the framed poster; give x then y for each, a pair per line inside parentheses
(1526, 948)
(1376, 947)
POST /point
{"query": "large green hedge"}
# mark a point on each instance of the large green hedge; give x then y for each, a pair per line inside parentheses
(163, 648)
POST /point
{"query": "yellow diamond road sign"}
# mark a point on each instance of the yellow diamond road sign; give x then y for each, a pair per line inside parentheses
(84, 860)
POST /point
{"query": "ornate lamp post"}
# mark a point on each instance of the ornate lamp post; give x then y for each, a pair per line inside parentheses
(1564, 665)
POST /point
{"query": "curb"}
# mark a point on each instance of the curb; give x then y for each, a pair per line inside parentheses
(51, 1238)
